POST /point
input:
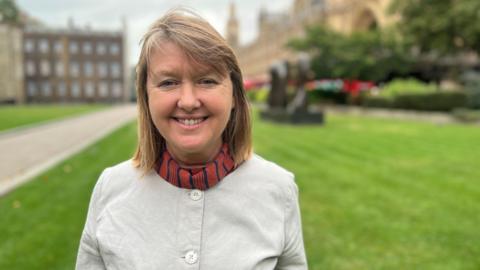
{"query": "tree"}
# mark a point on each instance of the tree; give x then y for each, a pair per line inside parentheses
(8, 11)
(373, 55)
(444, 27)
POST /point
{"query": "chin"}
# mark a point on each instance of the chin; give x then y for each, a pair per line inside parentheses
(191, 147)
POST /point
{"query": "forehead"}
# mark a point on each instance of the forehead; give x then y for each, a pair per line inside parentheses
(171, 58)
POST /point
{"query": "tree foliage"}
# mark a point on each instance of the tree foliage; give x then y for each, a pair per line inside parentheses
(8, 11)
(372, 55)
(441, 26)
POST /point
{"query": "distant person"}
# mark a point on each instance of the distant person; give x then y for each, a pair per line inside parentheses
(193, 196)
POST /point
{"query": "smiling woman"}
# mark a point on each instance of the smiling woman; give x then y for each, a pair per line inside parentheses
(193, 195)
(190, 105)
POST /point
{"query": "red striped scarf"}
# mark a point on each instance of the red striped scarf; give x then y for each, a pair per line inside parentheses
(201, 178)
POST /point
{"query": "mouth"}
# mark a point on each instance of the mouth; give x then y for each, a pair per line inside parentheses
(190, 122)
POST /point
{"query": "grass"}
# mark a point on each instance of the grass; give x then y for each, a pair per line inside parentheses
(41, 222)
(375, 194)
(16, 116)
(380, 194)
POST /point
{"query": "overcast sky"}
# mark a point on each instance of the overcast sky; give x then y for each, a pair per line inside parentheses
(106, 14)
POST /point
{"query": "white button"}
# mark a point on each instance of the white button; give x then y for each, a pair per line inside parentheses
(196, 194)
(191, 257)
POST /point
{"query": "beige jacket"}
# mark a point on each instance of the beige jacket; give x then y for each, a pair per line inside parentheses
(250, 220)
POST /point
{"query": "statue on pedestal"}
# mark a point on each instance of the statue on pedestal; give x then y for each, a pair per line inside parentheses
(296, 111)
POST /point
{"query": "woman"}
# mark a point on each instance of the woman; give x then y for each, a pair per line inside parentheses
(193, 196)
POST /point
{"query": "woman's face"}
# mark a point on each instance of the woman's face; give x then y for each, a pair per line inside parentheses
(189, 103)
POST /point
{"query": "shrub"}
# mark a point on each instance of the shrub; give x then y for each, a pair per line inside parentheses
(406, 86)
(376, 102)
(328, 97)
(439, 101)
(412, 94)
(473, 98)
(258, 95)
(472, 88)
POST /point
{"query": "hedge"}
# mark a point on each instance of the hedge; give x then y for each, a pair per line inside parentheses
(439, 101)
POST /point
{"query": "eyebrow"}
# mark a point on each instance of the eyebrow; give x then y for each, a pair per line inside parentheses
(166, 73)
(174, 73)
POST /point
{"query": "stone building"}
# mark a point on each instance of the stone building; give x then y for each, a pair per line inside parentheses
(74, 65)
(11, 68)
(276, 29)
(43, 64)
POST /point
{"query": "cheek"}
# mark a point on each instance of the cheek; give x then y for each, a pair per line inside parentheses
(222, 106)
(159, 105)
(227, 111)
(227, 100)
(152, 107)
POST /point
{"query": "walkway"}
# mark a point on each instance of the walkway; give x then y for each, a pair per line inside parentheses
(432, 117)
(27, 152)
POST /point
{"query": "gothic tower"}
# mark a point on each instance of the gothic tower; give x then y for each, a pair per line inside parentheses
(232, 28)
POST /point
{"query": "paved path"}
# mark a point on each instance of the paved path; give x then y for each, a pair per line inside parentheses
(432, 117)
(27, 152)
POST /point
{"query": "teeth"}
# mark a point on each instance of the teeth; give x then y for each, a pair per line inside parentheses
(190, 122)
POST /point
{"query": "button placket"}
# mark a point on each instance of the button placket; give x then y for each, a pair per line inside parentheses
(189, 229)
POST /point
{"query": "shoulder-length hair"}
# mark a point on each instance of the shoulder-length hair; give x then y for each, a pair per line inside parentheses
(202, 43)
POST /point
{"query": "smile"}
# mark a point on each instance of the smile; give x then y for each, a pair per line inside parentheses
(190, 121)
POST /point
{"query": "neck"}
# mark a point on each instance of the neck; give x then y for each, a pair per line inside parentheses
(194, 160)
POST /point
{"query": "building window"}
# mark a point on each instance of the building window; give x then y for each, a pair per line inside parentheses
(88, 69)
(59, 69)
(30, 68)
(74, 69)
(103, 89)
(29, 45)
(58, 47)
(73, 47)
(87, 47)
(101, 48)
(46, 89)
(44, 68)
(75, 89)
(115, 70)
(114, 49)
(117, 89)
(43, 46)
(61, 89)
(31, 89)
(89, 89)
(102, 70)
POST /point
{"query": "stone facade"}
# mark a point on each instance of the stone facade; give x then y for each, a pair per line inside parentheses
(74, 65)
(41, 64)
(11, 69)
(275, 30)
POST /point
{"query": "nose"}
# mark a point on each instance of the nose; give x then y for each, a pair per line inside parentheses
(188, 99)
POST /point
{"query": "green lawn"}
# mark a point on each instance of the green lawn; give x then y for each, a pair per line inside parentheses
(375, 194)
(41, 222)
(16, 116)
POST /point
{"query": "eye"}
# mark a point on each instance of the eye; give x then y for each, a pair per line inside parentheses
(168, 83)
(208, 81)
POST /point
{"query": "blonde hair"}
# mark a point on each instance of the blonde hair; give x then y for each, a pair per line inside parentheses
(203, 44)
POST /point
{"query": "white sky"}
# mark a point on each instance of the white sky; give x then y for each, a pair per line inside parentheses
(106, 14)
